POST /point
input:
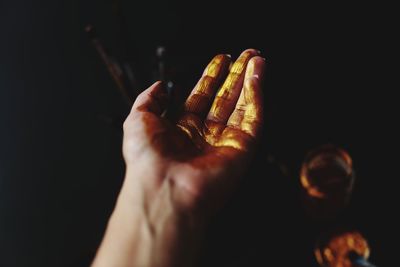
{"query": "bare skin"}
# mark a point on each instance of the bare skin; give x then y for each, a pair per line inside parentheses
(180, 173)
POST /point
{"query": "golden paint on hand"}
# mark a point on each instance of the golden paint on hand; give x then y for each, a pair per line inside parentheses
(224, 109)
(202, 94)
(206, 149)
(237, 104)
(227, 96)
(215, 66)
(335, 251)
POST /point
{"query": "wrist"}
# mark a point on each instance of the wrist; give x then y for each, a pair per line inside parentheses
(147, 228)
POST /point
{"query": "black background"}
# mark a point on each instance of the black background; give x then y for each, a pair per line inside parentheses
(329, 80)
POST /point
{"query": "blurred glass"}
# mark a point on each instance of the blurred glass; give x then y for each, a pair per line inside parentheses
(327, 179)
(342, 249)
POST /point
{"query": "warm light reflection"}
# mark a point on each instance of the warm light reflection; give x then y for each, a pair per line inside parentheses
(334, 251)
(233, 117)
(327, 178)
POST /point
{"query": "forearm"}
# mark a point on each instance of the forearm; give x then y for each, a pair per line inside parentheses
(148, 230)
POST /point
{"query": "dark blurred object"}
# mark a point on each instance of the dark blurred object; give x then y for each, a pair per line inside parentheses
(162, 70)
(121, 73)
(124, 77)
(327, 179)
(342, 249)
(359, 261)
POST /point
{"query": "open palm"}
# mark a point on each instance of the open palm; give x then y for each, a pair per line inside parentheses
(199, 157)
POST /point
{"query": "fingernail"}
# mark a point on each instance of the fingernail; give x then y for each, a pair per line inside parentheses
(256, 76)
(228, 55)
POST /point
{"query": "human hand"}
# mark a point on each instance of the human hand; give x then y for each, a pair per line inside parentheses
(180, 172)
(200, 157)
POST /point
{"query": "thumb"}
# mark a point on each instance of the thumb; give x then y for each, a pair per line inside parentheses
(154, 99)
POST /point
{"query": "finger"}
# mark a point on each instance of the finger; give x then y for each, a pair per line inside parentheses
(199, 100)
(154, 99)
(227, 96)
(255, 68)
(234, 137)
(253, 115)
